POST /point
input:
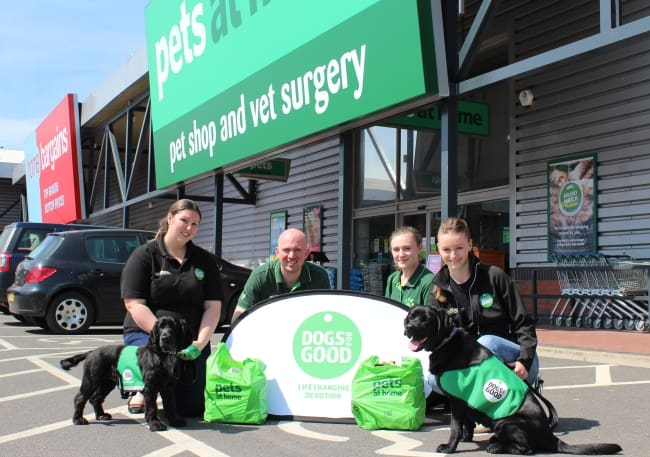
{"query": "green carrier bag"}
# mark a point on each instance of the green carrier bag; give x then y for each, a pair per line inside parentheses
(235, 391)
(386, 395)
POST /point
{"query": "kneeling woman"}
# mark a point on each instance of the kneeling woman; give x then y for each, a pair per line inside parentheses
(171, 275)
(486, 302)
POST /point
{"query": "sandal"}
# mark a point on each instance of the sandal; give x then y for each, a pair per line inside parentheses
(135, 408)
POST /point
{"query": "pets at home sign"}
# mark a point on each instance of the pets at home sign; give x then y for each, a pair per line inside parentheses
(230, 80)
(572, 206)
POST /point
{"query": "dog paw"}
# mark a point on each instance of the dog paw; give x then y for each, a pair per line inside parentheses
(157, 426)
(104, 417)
(495, 448)
(79, 421)
(445, 449)
(177, 422)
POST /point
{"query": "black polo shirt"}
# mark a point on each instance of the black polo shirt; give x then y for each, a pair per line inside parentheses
(168, 286)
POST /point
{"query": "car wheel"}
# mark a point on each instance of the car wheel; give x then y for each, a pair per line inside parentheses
(70, 312)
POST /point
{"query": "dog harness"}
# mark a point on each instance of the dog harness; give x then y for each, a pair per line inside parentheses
(130, 379)
(490, 387)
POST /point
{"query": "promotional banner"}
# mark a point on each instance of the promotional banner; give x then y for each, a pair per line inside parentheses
(312, 344)
(572, 206)
(230, 80)
(52, 166)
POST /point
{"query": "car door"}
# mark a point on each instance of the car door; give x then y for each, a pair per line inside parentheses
(108, 254)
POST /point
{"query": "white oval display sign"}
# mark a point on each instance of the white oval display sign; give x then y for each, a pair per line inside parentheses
(313, 343)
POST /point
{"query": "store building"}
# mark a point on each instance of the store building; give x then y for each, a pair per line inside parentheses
(535, 86)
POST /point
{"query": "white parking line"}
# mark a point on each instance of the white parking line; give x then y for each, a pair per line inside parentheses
(603, 375)
(35, 431)
(181, 441)
(55, 371)
(580, 386)
(402, 445)
(34, 394)
(185, 443)
(19, 373)
(296, 428)
(7, 345)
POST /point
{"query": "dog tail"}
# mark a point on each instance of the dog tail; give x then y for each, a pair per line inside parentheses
(588, 449)
(73, 361)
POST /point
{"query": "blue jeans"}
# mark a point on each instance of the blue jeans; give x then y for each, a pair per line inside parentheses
(504, 349)
(189, 393)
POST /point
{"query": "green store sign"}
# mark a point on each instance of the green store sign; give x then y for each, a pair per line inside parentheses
(230, 80)
(268, 170)
(473, 119)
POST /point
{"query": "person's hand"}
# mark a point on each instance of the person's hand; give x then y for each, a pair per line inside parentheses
(190, 353)
(519, 369)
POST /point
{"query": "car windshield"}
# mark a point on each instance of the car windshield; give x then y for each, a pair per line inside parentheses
(47, 247)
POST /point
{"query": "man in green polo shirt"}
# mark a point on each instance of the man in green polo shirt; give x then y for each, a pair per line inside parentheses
(288, 273)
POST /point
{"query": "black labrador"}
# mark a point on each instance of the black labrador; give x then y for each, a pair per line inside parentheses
(160, 368)
(523, 431)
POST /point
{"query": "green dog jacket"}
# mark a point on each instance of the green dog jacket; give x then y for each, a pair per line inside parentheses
(130, 374)
(490, 387)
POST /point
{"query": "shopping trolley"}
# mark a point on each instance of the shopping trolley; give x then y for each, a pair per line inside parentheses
(578, 283)
(631, 277)
(599, 291)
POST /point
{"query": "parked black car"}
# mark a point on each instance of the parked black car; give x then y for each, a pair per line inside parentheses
(16, 241)
(72, 280)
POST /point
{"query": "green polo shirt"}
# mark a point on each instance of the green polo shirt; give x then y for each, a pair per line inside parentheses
(414, 293)
(266, 281)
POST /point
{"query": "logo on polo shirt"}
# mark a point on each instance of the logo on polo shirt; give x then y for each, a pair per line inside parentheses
(486, 300)
(200, 274)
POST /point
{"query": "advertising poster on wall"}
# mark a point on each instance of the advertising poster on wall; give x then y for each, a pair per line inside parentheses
(312, 226)
(278, 225)
(572, 206)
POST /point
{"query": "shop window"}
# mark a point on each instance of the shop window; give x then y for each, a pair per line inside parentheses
(372, 252)
(482, 155)
(377, 166)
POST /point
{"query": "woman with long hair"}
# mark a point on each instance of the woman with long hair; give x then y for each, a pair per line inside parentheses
(172, 276)
(484, 301)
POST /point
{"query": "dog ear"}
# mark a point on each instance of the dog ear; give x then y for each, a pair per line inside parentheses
(154, 335)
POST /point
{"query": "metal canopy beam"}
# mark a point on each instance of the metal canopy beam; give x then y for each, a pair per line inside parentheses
(604, 38)
(472, 42)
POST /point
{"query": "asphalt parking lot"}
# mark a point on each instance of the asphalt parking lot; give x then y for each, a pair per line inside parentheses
(597, 402)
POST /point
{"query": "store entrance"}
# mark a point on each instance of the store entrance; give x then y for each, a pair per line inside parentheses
(488, 222)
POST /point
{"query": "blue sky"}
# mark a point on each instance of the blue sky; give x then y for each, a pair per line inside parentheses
(49, 48)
